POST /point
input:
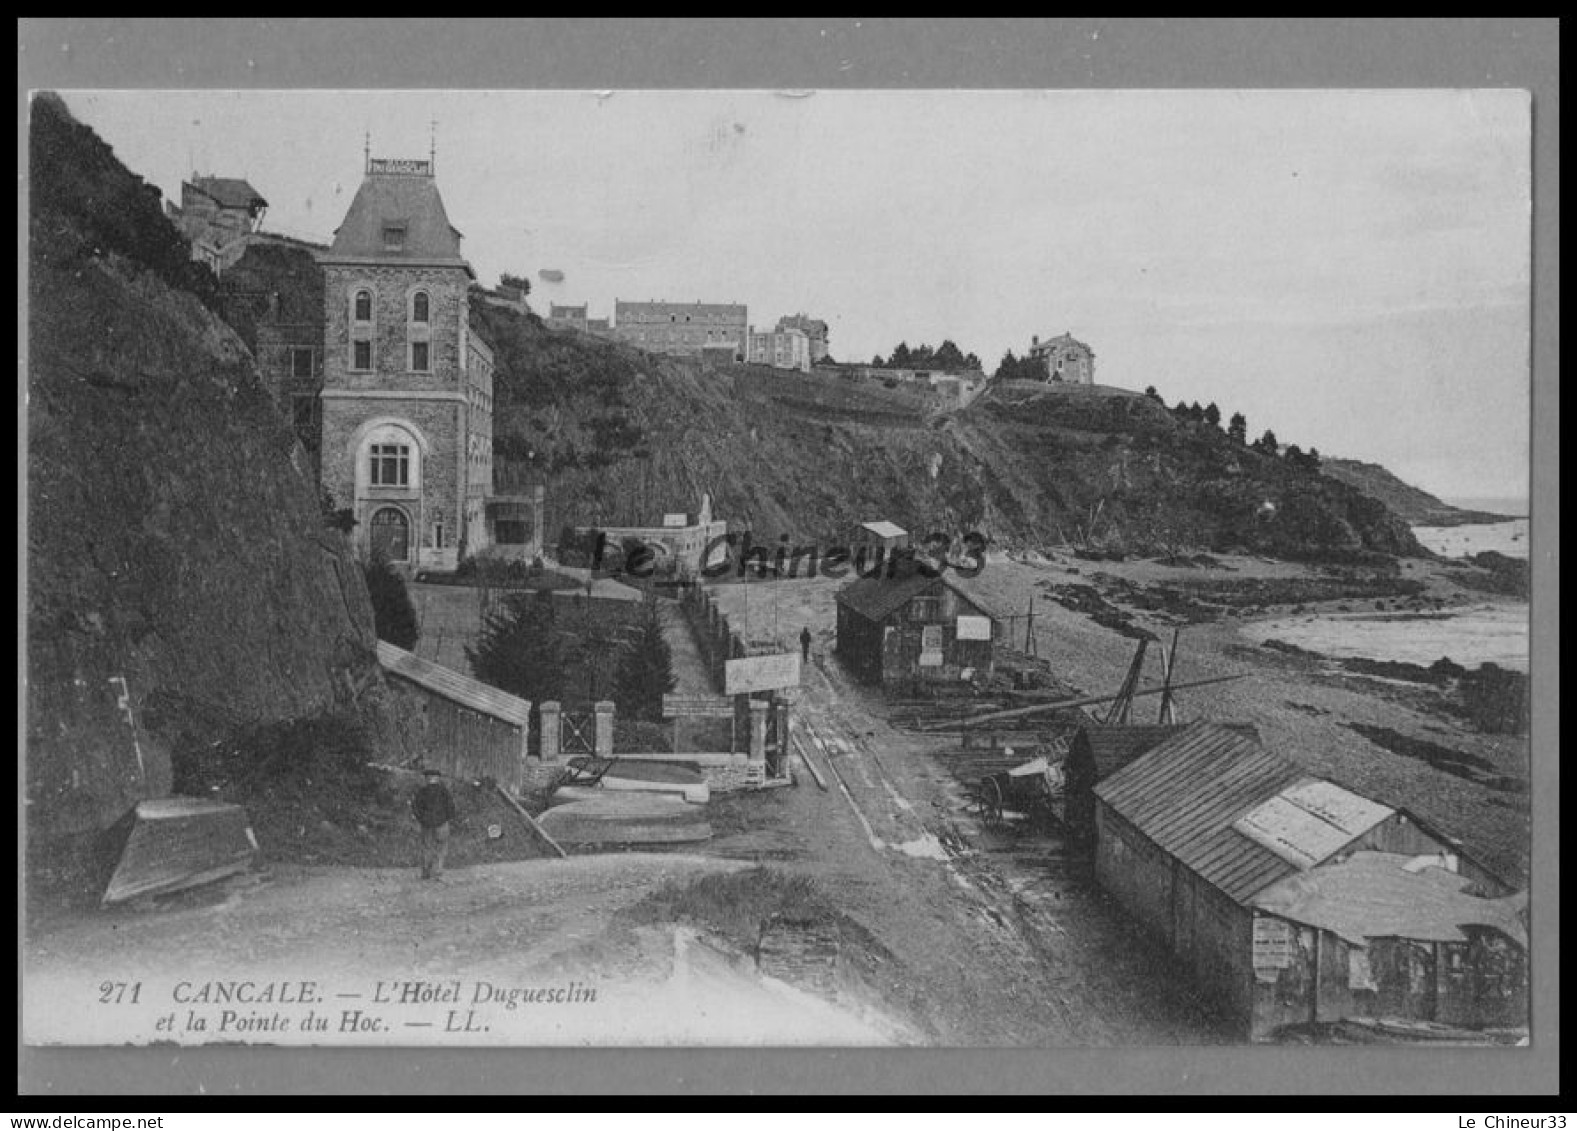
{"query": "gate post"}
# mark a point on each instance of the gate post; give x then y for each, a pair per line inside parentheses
(551, 733)
(525, 751)
(603, 731)
(758, 730)
(777, 765)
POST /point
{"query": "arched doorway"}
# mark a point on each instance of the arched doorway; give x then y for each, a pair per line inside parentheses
(391, 535)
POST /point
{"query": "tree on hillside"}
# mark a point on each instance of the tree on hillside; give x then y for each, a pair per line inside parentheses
(645, 673)
(1238, 428)
(1267, 444)
(878, 360)
(1212, 415)
(948, 356)
(393, 615)
(1306, 460)
(900, 356)
(972, 361)
(1196, 415)
(1019, 369)
(1149, 391)
(519, 650)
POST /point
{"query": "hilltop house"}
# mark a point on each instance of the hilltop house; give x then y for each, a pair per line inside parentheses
(1065, 358)
(681, 328)
(217, 214)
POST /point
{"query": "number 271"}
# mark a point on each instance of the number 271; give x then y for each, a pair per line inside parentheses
(119, 993)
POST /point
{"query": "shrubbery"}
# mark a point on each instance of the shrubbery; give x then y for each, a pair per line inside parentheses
(393, 615)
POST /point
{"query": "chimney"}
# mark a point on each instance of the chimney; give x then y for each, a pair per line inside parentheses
(1034, 339)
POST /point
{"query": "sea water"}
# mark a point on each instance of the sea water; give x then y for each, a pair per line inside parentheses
(1483, 634)
(1509, 538)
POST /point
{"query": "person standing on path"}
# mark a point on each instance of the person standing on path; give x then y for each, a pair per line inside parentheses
(804, 644)
(434, 809)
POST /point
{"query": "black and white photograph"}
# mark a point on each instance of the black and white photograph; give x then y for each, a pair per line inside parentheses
(828, 568)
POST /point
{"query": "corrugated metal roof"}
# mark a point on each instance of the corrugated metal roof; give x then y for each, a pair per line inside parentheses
(404, 199)
(1186, 793)
(884, 529)
(1373, 895)
(461, 689)
(1311, 821)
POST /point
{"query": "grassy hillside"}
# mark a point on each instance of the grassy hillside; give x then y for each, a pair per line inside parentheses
(172, 539)
(621, 436)
(1418, 507)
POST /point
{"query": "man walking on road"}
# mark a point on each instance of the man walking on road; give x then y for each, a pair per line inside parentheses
(434, 809)
(804, 644)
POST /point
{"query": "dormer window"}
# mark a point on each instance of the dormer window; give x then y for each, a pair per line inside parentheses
(393, 237)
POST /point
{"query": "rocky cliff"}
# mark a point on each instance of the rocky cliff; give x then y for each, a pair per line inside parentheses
(1408, 502)
(174, 537)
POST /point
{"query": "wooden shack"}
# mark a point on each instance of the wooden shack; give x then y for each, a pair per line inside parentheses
(913, 629)
(1199, 838)
(464, 727)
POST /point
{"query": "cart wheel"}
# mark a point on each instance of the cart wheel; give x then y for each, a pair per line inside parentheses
(991, 799)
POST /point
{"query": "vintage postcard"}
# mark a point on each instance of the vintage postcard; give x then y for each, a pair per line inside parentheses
(930, 568)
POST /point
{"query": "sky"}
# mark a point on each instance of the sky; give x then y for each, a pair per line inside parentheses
(1348, 268)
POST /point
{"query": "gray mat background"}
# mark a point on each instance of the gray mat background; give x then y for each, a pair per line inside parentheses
(868, 53)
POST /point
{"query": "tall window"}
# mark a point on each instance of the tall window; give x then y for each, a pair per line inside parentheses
(361, 354)
(364, 306)
(419, 307)
(301, 363)
(391, 465)
(419, 357)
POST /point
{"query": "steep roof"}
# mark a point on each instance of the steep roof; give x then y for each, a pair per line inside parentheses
(1061, 340)
(1185, 793)
(229, 192)
(1375, 895)
(403, 198)
(877, 597)
(1110, 748)
(1240, 816)
(457, 688)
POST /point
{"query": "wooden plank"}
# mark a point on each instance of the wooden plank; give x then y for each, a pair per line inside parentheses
(536, 828)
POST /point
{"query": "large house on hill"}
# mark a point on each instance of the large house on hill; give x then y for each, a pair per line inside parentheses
(407, 398)
(1065, 358)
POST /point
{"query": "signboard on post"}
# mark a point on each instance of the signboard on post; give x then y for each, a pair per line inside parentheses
(974, 628)
(761, 673)
(697, 707)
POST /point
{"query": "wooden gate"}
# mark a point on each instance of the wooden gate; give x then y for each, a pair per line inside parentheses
(579, 734)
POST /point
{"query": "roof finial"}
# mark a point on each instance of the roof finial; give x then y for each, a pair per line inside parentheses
(366, 150)
(432, 148)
